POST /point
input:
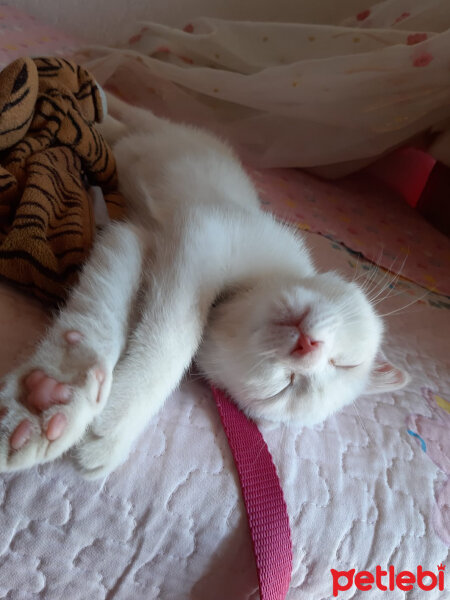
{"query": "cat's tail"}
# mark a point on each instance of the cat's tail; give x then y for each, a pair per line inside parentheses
(123, 119)
(132, 118)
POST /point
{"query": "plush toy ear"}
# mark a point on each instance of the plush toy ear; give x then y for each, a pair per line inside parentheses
(18, 93)
(384, 377)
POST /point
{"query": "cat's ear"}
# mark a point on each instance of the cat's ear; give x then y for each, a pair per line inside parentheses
(385, 377)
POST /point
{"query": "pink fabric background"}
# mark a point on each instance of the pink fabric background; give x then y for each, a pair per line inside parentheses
(23, 35)
(366, 216)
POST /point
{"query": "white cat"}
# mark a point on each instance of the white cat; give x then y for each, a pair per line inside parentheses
(199, 270)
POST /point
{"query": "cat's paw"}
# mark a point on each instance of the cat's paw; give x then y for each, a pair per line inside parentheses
(47, 403)
(100, 452)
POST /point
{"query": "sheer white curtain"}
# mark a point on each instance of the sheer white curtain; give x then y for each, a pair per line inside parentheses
(296, 94)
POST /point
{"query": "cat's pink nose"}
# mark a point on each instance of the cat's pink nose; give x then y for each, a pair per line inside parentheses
(305, 344)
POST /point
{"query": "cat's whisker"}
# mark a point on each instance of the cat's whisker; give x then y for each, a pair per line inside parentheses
(257, 365)
(201, 377)
(374, 268)
(391, 296)
(402, 308)
(355, 270)
(409, 312)
(380, 287)
(399, 270)
(348, 312)
(390, 284)
(368, 278)
(383, 283)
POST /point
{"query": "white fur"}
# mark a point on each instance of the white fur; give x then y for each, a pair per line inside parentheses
(219, 279)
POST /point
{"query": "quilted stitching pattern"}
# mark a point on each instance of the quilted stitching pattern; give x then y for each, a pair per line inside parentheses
(170, 523)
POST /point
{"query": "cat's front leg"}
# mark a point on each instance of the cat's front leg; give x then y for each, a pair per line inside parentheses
(158, 354)
(47, 403)
(111, 435)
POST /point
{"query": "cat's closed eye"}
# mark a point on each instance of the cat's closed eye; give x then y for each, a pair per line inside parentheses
(339, 366)
(291, 381)
(285, 387)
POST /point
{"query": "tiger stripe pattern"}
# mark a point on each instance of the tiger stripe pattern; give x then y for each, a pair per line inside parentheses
(46, 217)
(18, 93)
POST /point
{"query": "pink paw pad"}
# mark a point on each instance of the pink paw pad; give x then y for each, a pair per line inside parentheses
(21, 435)
(44, 391)
(56, 427)
(100, 376)
(73, 337)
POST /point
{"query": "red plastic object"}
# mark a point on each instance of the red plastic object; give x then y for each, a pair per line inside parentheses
(406, 171)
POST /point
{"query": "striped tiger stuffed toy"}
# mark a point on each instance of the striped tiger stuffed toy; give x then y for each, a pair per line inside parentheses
(50, 153)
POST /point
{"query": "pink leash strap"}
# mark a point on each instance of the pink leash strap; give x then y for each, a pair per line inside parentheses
(263, 497)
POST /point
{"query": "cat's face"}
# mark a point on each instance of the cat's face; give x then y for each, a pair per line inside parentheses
(296, 351)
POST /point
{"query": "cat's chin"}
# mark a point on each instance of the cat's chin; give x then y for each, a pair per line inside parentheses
(281, 416)
(306, 399)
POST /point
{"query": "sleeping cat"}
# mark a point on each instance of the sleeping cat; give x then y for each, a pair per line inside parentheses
(198, 270)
